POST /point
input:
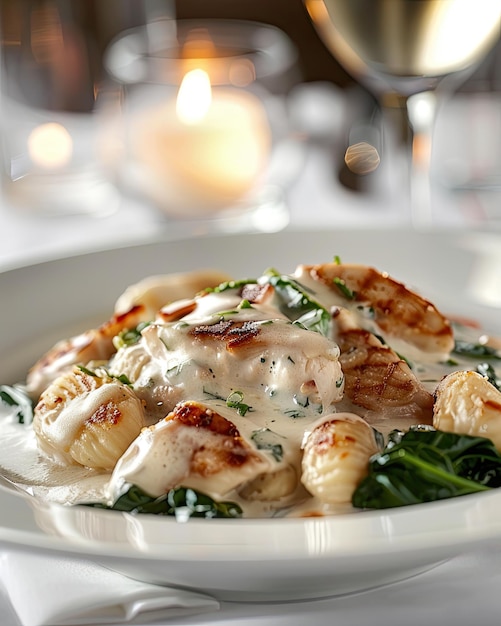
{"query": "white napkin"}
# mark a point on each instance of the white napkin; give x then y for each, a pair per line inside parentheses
(45, 590)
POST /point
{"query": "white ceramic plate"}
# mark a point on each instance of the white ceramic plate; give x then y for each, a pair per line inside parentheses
(248, 559)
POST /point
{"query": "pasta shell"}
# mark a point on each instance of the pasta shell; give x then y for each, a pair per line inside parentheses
(467, 403)
(336, 457)
(88, 420)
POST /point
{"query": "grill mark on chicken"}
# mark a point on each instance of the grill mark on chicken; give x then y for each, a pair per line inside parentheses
(377, 378)
(226, 449)
(193, 414)
(256, 293)
(397, 310)
(94, 344)
(235, 334)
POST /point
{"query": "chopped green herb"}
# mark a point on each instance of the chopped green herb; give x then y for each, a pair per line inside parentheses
(180, 324)
(129, 336)
(316, 320)
(234, 401)
(245, 304)
(337, 260)
(122, 378)
(405, 359)
(214, 396)
(176, 369)
(346, 291)
(266, 439)
(231, 284)
(303, 402)
(87, 371)
(102, 372)
(223, 313)
(15, 396)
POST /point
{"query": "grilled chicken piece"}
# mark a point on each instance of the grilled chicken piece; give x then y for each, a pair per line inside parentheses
(467, 403)
(271, 486)
(376, 378)
(154, 292)
(139, 303)
(92, 345)
(268, 360)
(194, 446)
(397, 311)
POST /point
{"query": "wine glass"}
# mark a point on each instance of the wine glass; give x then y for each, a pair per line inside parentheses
(408, 53)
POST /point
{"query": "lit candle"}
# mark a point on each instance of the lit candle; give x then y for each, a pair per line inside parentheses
(203, 151)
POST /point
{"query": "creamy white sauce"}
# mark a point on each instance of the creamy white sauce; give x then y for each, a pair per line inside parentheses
(289, 378)
(62, 427)
(160, 457)
(276, 369)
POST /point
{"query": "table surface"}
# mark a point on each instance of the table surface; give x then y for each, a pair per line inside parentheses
(463, 591)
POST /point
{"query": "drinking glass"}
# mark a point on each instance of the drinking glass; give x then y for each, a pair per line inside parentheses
(410, 53)
(54, 108)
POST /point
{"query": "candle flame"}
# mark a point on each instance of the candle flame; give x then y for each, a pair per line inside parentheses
(194, 97)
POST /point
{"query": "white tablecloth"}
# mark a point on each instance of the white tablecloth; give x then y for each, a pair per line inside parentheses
(461, 592)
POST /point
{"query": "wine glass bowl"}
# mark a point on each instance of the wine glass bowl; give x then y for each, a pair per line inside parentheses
(409, 44)
(409, 51)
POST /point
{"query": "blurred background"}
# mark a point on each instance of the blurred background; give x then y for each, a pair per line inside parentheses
(102, 21)
(74, 71)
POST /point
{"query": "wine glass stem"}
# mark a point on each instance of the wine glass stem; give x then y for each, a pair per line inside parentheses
(421, 111)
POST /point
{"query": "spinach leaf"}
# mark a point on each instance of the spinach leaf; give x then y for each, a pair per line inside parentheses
(298, 305)
(14, 396)
(182, 501)
(424, 465)
(475, 350)
(344, 289)
(486, 370)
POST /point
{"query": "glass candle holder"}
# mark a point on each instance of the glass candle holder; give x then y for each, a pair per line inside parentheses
(51, 115)
(200, 125)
